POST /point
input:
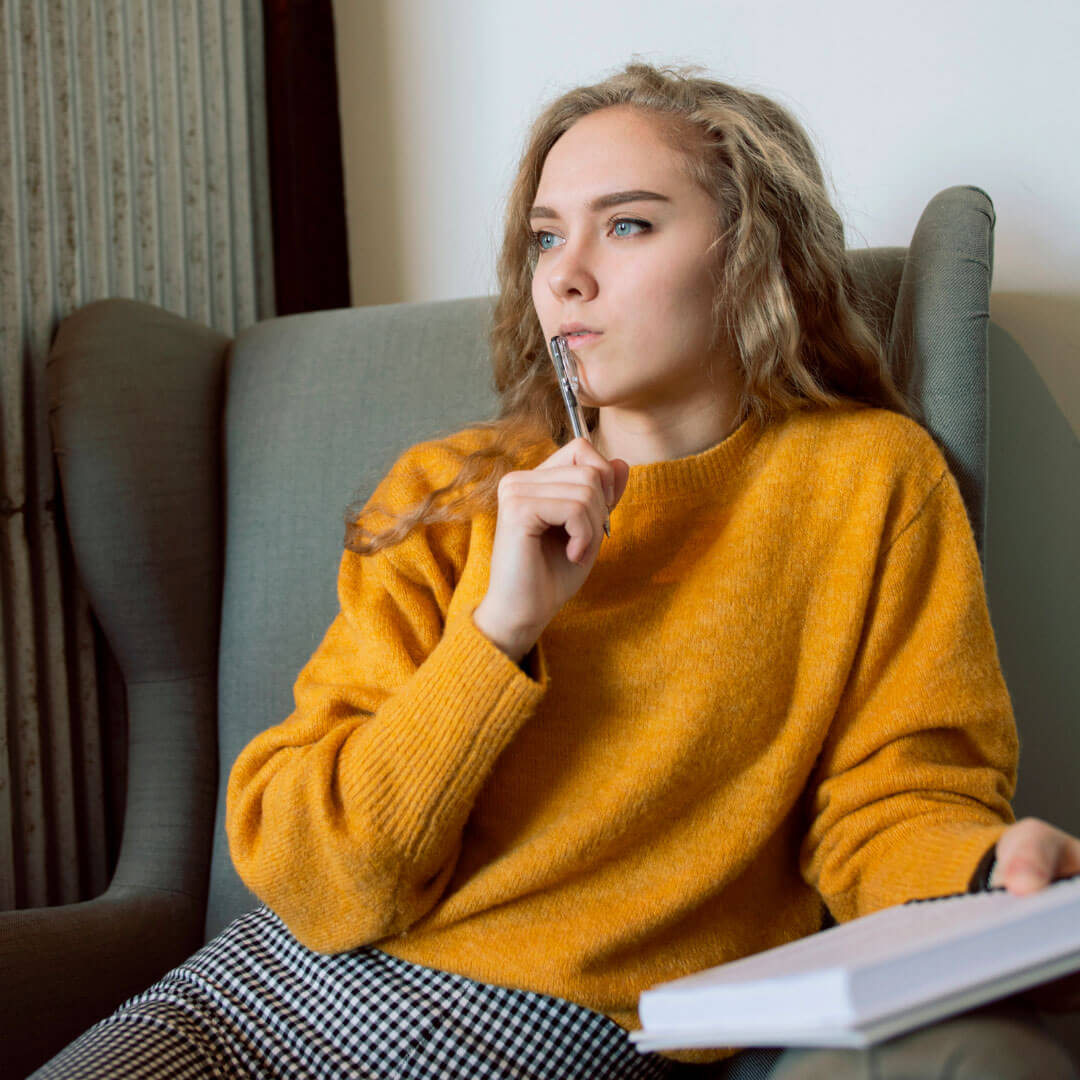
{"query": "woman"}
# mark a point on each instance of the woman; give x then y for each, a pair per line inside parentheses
(533, 770)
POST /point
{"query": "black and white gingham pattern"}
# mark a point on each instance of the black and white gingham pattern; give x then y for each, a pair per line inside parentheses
(255, 1003)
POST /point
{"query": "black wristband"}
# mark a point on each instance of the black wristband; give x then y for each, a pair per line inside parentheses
(528, 664)
(980, 880)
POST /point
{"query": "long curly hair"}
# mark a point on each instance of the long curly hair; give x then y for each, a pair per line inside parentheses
(784, 294)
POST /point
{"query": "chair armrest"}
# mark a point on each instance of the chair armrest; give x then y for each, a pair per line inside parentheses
(136, 400)
(136, 403)
(64, 968)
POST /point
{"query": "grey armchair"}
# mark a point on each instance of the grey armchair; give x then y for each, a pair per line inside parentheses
(204, 481)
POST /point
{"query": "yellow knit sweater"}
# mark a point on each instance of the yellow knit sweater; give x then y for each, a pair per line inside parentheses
(778, 685)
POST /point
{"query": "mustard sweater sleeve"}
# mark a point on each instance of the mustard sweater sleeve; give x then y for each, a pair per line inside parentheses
(914, 781)
(346, 819)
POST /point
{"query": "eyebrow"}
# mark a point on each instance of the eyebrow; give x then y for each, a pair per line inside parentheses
(602, 202)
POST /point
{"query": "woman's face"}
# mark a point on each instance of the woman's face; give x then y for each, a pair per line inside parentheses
(623, 240)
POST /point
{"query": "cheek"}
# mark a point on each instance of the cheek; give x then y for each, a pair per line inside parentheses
(538, 300)
(677, 314)
(693, 282)
(676, 292)
(542, 297)
(696, 289)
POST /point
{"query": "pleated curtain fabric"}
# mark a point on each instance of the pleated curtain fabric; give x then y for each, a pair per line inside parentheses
(133, 154)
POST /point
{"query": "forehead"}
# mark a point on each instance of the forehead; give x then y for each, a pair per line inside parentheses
(614, 148)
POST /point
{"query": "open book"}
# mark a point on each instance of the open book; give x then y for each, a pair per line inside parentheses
(874, 977)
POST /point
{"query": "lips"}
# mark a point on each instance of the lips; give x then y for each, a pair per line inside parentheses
(570, 330)
(576, 341)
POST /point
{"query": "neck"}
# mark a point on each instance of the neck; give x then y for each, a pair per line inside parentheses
(688, 421)
(641, 438)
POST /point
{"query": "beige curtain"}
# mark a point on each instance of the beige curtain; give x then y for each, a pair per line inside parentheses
(132, 163)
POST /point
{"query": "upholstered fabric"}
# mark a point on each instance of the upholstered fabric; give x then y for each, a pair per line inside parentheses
(941, 322)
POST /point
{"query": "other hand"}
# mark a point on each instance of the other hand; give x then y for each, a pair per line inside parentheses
(1031, 854)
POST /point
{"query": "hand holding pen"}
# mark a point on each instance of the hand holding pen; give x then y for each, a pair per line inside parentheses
(548, 534)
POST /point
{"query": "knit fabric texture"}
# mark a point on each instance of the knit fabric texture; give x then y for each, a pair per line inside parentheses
(778, 688)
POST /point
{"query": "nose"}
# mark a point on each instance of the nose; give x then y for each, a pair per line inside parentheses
(572, 275)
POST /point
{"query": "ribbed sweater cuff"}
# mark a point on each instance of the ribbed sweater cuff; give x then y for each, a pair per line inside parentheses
(954, 859)
(461, 709)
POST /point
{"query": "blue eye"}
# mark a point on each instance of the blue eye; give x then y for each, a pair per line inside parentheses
(628, 221)
(541, 236)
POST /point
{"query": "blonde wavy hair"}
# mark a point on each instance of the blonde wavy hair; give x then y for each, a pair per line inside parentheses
(784, 299)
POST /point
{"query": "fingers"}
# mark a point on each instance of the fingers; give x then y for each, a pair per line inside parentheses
(586, 475)
(581, 453)
(540, 504)
(1032, 853)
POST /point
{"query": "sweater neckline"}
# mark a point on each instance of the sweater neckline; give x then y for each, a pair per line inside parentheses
(703, 471)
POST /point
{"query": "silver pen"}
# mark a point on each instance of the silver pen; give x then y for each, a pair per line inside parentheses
(566, 372)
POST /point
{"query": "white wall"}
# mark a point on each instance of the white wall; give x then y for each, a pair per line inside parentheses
(902, 99)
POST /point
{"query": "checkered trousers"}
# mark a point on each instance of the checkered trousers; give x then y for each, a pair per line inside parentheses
(254, 1002)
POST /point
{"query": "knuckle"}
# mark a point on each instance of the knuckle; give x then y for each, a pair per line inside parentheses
(593, 477)
(583, 499)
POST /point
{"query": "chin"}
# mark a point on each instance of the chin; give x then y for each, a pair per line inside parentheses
(590, 401)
